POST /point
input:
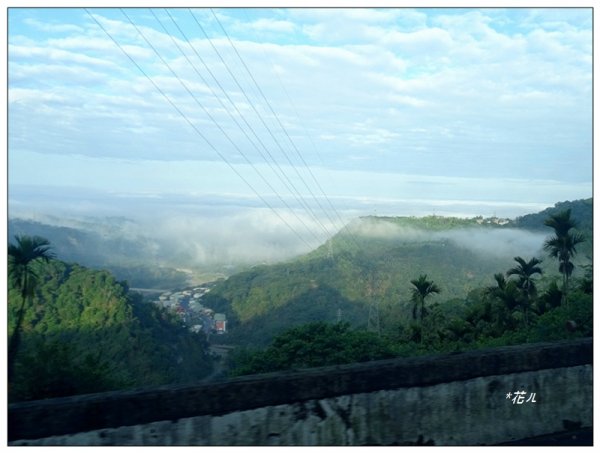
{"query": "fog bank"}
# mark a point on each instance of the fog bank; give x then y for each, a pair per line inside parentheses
(221, 229)
(498, 242)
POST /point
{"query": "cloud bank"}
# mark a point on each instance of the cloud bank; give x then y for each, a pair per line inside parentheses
(395, 111)
(497, 242)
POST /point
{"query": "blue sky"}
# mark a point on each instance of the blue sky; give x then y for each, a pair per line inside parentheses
(390, 111)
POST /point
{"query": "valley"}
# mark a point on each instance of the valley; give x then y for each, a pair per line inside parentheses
(362, 278)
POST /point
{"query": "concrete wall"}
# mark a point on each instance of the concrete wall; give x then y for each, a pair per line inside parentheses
(457, 399)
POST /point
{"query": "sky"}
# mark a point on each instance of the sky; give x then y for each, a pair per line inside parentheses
(295, 121)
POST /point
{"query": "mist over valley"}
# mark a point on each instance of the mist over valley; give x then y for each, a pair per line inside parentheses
(179, 246)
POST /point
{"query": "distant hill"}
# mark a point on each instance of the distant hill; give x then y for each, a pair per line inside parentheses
(372, 263)
(581, 210)
(123, 246)
(128, 257)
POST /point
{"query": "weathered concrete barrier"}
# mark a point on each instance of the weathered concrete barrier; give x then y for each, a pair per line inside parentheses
(458, 399)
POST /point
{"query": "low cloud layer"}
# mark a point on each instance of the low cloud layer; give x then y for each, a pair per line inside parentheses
(245, 237)
(218, 230)
(207, 236)
(498, 242)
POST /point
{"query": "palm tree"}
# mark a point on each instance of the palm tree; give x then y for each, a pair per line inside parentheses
(422, 289)
(562, 244)
(525, 272)
(22, 258)
(507, 292)
(551, 298)
(503, 291)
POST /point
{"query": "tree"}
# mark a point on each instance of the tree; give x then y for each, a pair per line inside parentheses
(505, 290)
(562, 244)
(22, 260)
(422, 289)
(549, 299)
(587, 282)
(312, 345)
(52, 369)
(507, 293)
(525, 272)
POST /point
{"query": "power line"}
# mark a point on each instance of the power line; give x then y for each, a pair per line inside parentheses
(257, 113)
(291, 102)
(184, 116)
(184, 85)
(283, 129)
(266, 102)
(281, 174)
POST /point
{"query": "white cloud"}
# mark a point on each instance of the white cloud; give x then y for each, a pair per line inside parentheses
(271, 25)
(424, 42)
(367, 15)
(57, 73)
(472, 23)
(343, 25)
(481, 95)
(502, 243)
(29, 95)
(52, 27)
(371, 136)
(409, 101)
(557, 18)
(56, 55)
(82, 43)
(246, 236)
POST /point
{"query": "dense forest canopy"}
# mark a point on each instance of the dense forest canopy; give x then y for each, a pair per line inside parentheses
(83, 331)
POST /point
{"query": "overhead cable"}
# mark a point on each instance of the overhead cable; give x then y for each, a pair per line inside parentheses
(184, 85)
(195, 128)
(254, 107)
(278, 171)
(314, 146)
(276, 116)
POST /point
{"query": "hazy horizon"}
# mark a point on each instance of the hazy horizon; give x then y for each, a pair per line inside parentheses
(276, 127)
(221, 232)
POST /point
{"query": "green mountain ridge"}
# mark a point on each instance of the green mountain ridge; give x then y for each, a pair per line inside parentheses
(371, 264)
(581, 210)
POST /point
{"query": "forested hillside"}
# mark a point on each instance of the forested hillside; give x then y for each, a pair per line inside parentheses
(84, 332)
(110, 248)
(372, 263)
(523, 302)
(581, 210)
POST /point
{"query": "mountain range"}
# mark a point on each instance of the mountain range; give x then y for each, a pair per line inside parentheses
(365, 268)
(364, 272)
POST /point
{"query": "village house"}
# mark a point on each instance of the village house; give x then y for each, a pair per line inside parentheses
(220, 322)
